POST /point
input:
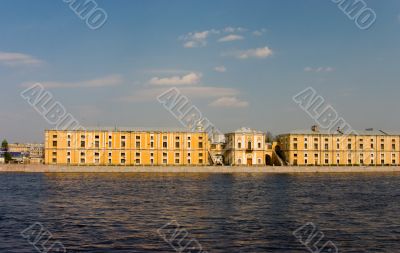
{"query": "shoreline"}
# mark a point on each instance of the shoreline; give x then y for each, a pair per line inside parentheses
(202, 169)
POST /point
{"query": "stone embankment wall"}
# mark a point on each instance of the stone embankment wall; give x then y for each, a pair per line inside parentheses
(116, 169)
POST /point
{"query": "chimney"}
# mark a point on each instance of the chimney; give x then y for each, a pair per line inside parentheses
(315, 128)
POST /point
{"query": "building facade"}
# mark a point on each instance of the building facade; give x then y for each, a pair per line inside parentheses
(32, 153)
(316, 147)
(247, 147)
(127, 147)
(217, 150)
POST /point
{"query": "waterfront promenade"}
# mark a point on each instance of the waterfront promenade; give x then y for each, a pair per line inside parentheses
(206, 169)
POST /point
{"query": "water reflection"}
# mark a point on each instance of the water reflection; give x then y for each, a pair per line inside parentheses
(225, 213)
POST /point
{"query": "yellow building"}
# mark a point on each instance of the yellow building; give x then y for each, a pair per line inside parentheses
(217, 150)
(18, 147)
(247, 147)
(314, 147)
(126, 147)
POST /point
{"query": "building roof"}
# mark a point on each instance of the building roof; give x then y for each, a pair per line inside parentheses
(25, 144)
(357, 132)
(130, 129)
(246, 130)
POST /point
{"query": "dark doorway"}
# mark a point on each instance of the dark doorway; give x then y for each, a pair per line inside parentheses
(249, 162)
(268, 160)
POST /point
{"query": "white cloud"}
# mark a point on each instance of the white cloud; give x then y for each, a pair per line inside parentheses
(18, 59)
(232, 102)
(107, 81)
(259, 32)
(194, 44)
(187, 86)
(231, 37)
(319, 69)
(201, 35)
(259, 53)
(220, 69)
(230, 29)
(200, 39)
(197, 39)
(189, 79)
(193, 92)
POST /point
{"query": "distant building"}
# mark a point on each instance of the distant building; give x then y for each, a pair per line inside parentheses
(18, 147)
(16, 157)
(243, 147)
(247, 147)
(146, 147)
(217, 151)
(315, 147)
(31, 153)
(126, 147)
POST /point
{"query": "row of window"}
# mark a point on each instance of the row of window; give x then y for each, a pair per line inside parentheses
(349, 155)
(338, 140)
(137, 144)
(123, 161)
(123, 137)
(349, 162)
(249, 145)
(123, 158)
(137, 154)
(240, 162)
(349, 146)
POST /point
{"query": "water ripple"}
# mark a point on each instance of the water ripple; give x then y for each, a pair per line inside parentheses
(224, 213)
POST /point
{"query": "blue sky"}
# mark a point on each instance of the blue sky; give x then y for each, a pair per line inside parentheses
(240, 62)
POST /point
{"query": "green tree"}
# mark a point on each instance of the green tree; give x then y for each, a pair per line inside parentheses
(269, 138)
(4, 145)
(7, 155)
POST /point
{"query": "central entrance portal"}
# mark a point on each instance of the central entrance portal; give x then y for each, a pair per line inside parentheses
(249, 162)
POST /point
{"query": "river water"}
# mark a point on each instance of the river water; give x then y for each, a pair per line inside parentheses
(217, 212)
